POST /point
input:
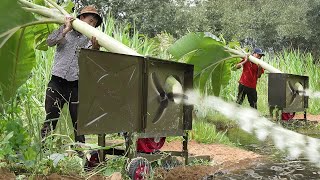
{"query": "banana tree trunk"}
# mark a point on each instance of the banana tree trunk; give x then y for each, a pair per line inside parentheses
(255, 60)
(103, 39)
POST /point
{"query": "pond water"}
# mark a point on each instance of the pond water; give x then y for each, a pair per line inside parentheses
(278, 166)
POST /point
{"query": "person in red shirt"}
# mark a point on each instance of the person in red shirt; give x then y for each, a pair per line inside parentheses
(249, 77)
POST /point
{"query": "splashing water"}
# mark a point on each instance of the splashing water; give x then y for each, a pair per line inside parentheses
(312, 94)
(294, 144)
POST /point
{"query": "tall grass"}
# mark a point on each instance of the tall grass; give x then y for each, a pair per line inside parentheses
(207, 133)
(292, 62)
(130, 36)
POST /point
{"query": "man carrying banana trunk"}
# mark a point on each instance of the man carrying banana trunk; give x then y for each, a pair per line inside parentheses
(250, 74)
(63, 86)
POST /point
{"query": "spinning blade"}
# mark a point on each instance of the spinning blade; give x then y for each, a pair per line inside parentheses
(163, 98)
(172, 90)
(295, 90)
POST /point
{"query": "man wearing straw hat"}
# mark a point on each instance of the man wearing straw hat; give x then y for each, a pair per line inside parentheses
(63, 86)
(249, 77)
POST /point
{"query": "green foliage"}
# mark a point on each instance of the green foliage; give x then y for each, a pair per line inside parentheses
(40, 2)
(41, 32)
(271, 24)
(13, 17)
(17, 60)
(201, 162)
(5, 145)
(71, 165)
(15, 142)
(129, 36)
(113, 165)
(204, 132)
(207, 53)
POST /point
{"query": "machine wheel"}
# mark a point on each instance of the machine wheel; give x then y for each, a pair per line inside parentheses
(139, 169)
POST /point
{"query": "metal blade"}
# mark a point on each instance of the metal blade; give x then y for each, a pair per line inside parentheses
(292, 98)
(293, 93)
(162, 107)
(157, 84)
(291, 88)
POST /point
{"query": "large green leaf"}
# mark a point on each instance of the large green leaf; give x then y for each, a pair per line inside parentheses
(12, 18)
(207, 53)
(192, 42)
(17, 58)
(41, 32)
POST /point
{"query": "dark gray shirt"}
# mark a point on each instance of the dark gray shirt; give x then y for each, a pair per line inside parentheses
(66, 56)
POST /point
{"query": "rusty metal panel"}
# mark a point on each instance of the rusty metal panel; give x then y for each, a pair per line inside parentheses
(283, 93)
(109, 93)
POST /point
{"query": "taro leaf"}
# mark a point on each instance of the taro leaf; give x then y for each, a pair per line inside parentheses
(12, 18)
(208, 55)
(17, 58)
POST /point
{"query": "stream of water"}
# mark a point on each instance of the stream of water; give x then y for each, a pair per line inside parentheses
(300, 154)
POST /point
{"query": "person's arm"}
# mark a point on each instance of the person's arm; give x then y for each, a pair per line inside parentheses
(260, 71)
(94, 43)
(240, 65)
(58, 35)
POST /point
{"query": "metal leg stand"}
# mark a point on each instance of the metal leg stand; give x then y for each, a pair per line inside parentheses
(129, 144)
(185, 148)
(102, 143)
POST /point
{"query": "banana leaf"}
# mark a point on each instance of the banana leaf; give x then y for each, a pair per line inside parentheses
(17, 58)
(207, 53)
(12, 18)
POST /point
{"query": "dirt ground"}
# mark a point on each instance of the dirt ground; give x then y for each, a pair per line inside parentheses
(224, 158)
(310, 117)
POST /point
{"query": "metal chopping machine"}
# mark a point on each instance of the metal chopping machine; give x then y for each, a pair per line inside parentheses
(134, 95)
(286, 93)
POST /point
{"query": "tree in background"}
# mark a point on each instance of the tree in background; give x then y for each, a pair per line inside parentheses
(270, 24)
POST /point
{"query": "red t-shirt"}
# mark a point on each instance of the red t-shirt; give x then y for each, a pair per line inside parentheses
(249, 74)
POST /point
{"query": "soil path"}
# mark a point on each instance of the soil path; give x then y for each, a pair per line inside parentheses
(224, 158)
(310, 117)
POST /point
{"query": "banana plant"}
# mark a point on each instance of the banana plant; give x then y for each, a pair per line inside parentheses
(213, 59)
(212, 64)
(25, 28)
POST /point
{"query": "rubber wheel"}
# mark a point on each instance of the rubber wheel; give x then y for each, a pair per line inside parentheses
(139, 169)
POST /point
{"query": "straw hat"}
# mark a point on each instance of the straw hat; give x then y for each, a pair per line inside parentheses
(91, 10)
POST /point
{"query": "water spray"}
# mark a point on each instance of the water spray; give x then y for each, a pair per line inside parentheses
(249, 119)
